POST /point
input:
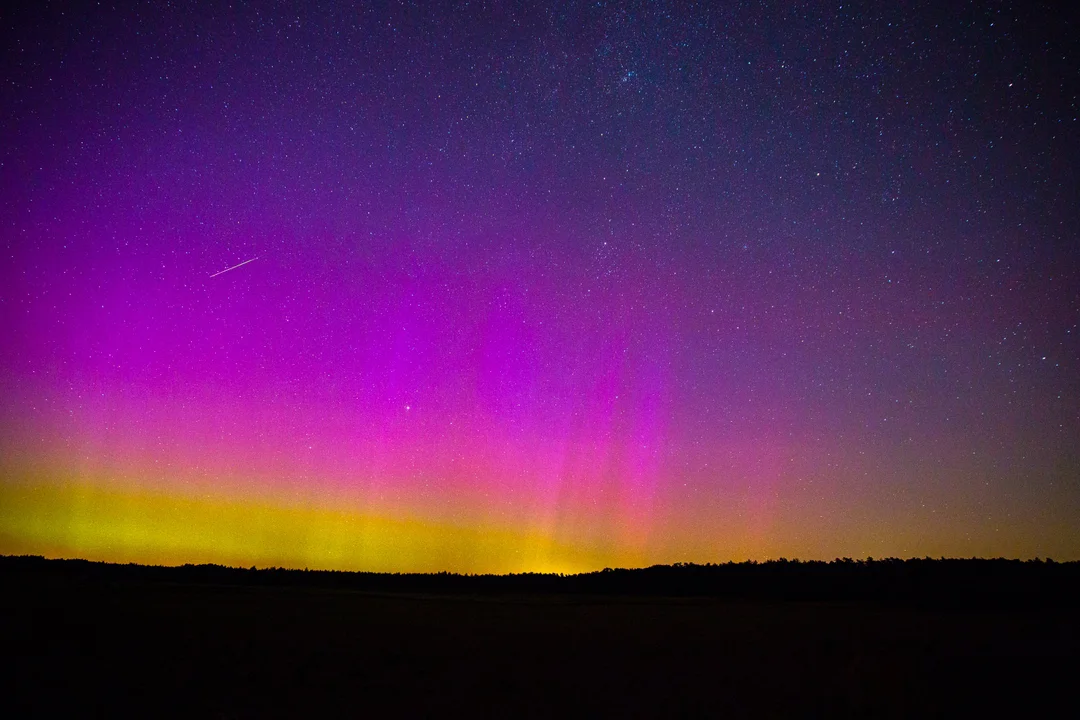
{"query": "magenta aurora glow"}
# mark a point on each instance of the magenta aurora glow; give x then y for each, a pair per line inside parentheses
(538, 288)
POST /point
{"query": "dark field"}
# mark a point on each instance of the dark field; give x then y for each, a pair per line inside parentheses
(108, 648)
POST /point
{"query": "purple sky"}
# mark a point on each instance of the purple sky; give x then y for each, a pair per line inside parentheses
(612, 283)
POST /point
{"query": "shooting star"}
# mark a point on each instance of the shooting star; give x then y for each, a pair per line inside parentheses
(233, 267)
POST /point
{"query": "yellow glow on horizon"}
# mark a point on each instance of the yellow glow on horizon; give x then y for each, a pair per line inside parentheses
(66, 508)
(131, 524)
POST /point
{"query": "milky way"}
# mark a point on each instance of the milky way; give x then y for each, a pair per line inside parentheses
(539, 288)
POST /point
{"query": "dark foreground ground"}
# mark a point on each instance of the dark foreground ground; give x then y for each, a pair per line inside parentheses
(82, 647)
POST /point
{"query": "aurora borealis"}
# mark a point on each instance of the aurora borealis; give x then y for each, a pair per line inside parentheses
(539, 288)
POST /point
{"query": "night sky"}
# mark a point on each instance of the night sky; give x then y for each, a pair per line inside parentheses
(539, 288)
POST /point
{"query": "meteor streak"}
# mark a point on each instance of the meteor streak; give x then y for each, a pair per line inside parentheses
(233, 267)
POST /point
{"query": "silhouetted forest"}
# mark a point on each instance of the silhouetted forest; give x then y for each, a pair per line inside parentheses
(885, 638)
(926, 581)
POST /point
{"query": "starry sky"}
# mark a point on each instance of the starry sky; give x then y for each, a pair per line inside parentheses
(539, 287)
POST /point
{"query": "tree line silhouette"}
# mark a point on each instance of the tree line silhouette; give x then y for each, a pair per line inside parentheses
(962, 583)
